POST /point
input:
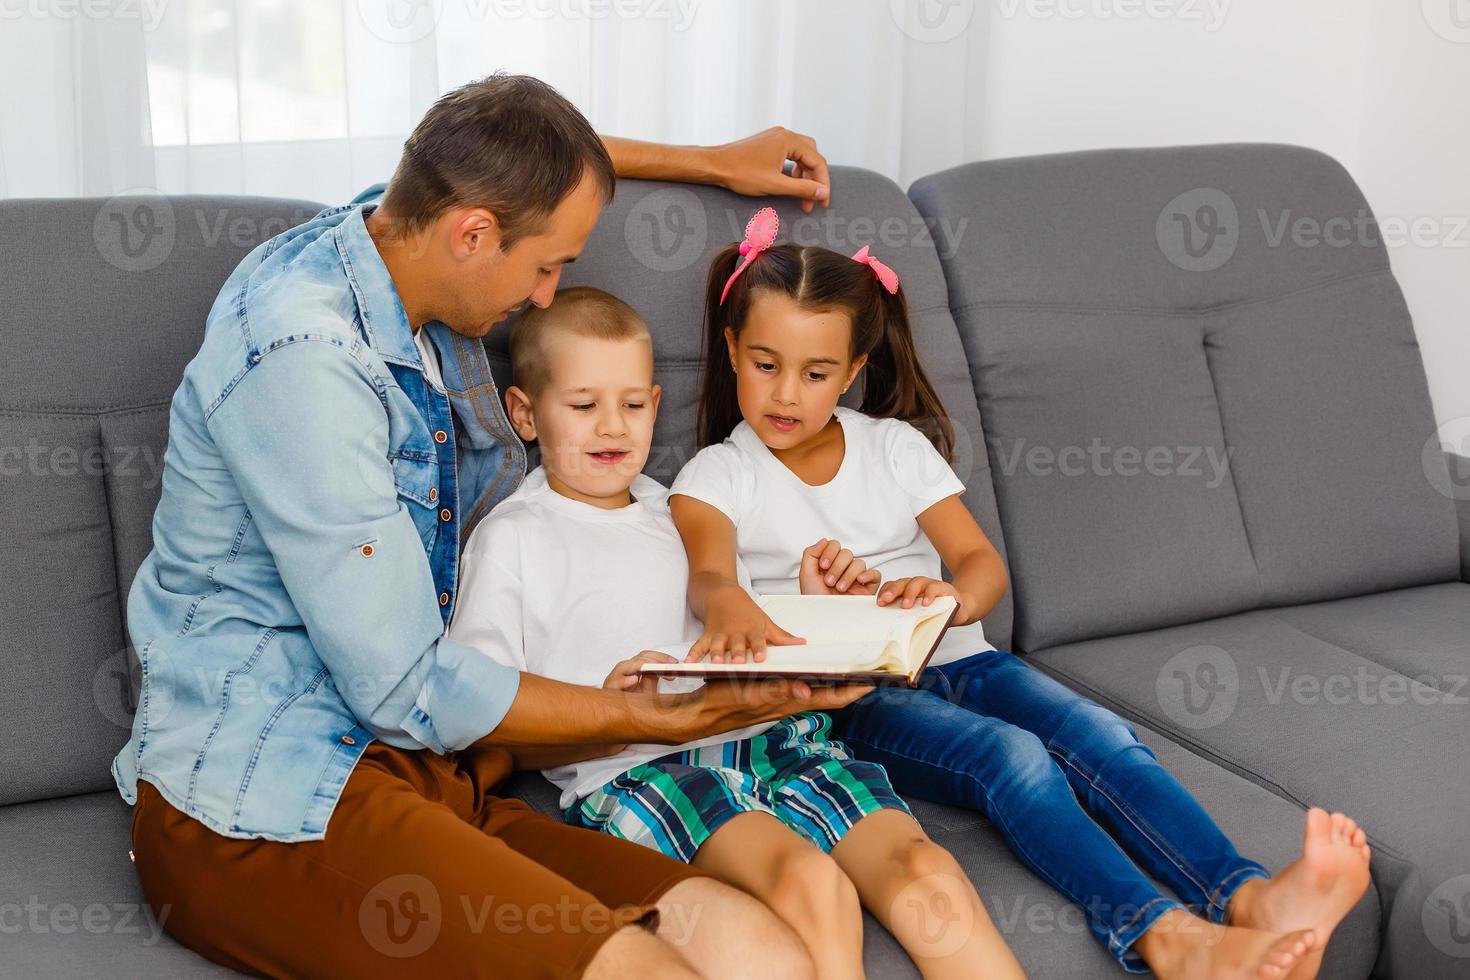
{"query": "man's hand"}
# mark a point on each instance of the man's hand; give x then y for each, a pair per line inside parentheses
(735, 627)
(827, 568)
(625, 675)
(907, 591)
(721, 706)
(755, 166)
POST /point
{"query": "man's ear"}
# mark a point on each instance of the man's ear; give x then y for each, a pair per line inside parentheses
(522, 415)
(473, 232)
(731, 347)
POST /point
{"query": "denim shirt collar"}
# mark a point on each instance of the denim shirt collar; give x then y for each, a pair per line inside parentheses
(383, 318)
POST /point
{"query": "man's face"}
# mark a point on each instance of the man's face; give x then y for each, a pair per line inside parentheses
(594, 416)
(486, 284)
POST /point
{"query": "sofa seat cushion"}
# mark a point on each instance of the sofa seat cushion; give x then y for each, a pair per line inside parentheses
(1360, 705)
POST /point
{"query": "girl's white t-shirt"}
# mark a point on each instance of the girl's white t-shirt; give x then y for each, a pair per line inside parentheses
(561, 588)
(890, 474)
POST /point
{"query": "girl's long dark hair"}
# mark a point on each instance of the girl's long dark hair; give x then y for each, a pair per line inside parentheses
(894, 382)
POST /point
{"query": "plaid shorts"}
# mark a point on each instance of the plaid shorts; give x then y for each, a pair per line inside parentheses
(794, 771)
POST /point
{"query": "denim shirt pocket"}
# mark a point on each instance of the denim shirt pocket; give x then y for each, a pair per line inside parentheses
(416, 476)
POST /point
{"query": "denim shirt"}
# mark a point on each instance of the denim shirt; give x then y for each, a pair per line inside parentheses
(316, 492)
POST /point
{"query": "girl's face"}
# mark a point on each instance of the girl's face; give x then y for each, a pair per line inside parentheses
(791, 366)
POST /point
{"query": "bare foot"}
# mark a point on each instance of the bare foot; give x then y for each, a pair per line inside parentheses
(1313, 892)
(1180, 946)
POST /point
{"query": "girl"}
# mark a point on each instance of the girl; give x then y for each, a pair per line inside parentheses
(1079, 799)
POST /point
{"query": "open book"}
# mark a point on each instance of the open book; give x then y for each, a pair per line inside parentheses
(848, 638)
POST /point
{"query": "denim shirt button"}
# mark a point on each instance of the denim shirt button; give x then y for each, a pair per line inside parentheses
(441, 436)
(348, 740)
(444, 598)
(445, 515)
(433, 493)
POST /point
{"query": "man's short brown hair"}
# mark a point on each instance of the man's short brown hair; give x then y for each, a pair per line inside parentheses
(579, 311)
(508, 143)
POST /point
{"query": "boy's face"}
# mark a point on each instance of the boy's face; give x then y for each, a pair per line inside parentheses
(593, 418)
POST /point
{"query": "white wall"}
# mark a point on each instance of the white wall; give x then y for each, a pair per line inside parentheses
(1371, 82)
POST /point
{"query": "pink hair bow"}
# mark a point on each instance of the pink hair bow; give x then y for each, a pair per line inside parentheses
(760, 234)
(885, 275)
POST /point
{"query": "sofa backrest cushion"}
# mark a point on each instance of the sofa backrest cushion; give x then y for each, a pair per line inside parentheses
(102, 303)
(1200, 384)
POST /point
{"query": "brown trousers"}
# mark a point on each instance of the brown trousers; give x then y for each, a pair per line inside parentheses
(421, 871)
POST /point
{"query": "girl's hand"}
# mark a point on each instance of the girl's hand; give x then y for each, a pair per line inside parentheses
(827, 568)
(907, 591)
(736, 628)
(625, 676)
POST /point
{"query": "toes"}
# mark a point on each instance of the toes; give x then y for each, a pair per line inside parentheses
(1339, 827)
(1319, 824)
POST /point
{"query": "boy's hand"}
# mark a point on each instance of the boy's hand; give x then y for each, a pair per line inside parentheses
(827, 568)
(907, 591)
(736, 628)
(625, 676)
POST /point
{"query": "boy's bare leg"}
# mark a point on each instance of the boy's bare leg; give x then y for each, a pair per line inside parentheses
(921, 894)
(804, 887)
(1313, 892)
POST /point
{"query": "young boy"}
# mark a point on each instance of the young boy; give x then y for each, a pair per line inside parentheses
(581, 569)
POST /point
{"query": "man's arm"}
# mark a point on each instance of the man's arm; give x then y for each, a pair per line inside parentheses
(753, 166)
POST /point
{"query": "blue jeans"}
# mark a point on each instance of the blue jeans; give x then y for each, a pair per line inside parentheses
(1080, 800)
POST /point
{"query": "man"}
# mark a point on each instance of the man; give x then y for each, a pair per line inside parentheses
(312, 760)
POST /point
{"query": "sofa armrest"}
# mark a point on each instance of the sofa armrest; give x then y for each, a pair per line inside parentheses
(1460, 473)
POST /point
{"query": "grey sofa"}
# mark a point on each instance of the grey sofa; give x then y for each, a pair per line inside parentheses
(1108, 330)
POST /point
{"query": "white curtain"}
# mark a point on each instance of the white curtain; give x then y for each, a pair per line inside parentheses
(313, 99)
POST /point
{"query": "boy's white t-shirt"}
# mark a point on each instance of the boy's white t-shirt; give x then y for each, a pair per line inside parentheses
(563, 589)
(890, 474)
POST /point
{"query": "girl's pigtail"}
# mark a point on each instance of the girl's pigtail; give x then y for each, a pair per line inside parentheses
(895, 384)
(719, 411)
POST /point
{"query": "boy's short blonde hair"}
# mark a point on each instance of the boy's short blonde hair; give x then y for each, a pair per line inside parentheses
(580, 311)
